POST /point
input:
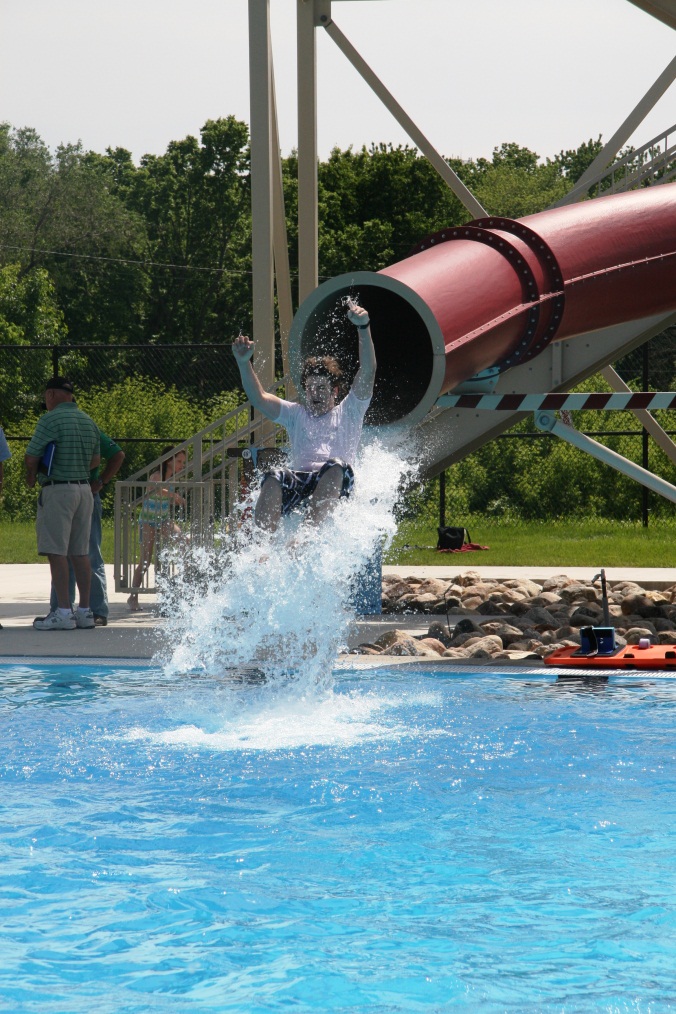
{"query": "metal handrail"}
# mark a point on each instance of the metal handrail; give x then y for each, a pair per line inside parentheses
(255, 429)
(646, 169)
(156, 526)
(214, 478)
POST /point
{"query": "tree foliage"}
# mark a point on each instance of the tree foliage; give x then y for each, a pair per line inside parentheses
(96, 249)
(29, 315)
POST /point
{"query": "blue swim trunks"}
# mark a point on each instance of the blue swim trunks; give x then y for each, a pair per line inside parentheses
(298, 486)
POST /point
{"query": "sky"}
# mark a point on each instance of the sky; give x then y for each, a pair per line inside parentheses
(472, 74)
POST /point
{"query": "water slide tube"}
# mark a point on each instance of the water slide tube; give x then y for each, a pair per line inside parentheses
(495, 293)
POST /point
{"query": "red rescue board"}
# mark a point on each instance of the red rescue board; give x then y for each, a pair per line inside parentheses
(657, 656)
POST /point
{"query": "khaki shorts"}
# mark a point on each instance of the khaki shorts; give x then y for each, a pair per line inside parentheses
(64, 519)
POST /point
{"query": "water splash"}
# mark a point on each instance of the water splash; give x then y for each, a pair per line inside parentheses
(279, 609)
(290, 721)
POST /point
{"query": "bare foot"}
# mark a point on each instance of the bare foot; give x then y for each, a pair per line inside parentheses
(133, 604)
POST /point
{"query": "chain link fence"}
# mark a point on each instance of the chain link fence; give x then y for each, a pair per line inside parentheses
(148, 397)
(526, 475)
(197, 371)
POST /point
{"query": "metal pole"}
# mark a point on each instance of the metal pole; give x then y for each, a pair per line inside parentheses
(645, 503)
(651, 425)
(261, 190)
(463, 194)
(548, 422)
(623, 133)
(280, 240)
(308, 194)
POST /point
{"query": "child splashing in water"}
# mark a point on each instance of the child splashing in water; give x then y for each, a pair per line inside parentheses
(324, 433)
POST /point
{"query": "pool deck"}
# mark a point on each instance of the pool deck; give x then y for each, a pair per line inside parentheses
(24, 592)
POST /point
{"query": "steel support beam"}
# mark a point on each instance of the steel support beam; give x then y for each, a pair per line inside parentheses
(260, 71)
(548, 423)
(448, 435)
(623, 133)
(279, 235)
(661, 438)
(562, 402)
(662, 10)
(404, 120)
(308, 194)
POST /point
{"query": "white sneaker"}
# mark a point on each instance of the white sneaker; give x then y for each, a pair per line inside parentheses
(84, 618)
(54, 621)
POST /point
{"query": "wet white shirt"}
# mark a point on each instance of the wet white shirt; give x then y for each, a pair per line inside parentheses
(315, 439)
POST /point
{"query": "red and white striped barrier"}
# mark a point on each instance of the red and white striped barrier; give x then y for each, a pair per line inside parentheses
(647, 400)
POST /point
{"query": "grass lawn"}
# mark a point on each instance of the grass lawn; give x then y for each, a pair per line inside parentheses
(18, 543)
(555, 544)
(550, 544)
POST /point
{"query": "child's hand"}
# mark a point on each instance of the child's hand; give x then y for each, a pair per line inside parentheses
(242, 348)
(356, 314)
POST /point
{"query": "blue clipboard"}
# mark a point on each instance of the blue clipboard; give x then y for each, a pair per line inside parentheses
(47, 459)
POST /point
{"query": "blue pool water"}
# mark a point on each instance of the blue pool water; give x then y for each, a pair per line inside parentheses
(398, 840)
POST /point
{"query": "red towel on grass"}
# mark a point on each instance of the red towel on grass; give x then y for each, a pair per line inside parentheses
(467, 547)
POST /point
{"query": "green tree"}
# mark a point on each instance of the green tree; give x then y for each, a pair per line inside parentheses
(29, 315)
(514, 182)
(375, 204)
(195, 202)
(574, 161)
(58, 212)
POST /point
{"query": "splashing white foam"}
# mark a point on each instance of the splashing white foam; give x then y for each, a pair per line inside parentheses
(289, 720)
(279, 609)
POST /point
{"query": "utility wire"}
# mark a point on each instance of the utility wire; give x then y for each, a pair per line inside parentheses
(141, 263)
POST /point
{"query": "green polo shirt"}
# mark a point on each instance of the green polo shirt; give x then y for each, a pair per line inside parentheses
(77, 441)
(108, 448)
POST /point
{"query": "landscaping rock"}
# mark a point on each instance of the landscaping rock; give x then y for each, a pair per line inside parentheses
(466, 626)
(505, 631)
(440, 632)
(433, 644)
(391, 637)
(492, 608)
(634, 635)
(557, 582)
(524, 615)
(641, 605)
(573, 592)
(472, 603)
(539, 617)
(547, 599)
(490, 645)
(455, 653)
(409, 647)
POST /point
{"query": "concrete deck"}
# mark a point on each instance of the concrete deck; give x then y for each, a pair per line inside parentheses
(24, 593)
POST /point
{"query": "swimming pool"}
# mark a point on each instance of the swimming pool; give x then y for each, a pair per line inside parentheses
(401, 839)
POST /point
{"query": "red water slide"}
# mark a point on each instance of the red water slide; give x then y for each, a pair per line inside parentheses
(496, 292)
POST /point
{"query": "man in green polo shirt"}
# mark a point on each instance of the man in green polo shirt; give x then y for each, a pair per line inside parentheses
(65, 502)
(113, 455)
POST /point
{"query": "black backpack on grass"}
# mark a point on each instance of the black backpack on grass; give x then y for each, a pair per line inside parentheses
(452, 538)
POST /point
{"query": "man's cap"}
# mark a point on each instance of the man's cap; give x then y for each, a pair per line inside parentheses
(59, 384)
